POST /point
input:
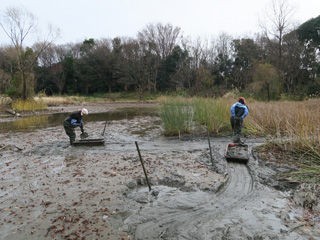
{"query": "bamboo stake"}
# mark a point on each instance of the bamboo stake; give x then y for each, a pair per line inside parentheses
(144, 170)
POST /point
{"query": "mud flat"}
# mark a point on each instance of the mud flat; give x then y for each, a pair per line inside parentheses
(242, 208)
(50, 190)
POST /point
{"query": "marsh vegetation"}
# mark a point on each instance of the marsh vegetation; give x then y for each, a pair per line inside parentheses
(290, 127)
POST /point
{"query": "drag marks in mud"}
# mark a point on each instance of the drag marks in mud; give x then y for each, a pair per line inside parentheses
(241, 209)
(184, 215)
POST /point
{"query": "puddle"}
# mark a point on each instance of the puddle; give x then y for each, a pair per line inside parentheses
(31, 123)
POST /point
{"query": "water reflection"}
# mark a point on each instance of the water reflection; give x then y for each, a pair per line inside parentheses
(52, 120)
(21, 123)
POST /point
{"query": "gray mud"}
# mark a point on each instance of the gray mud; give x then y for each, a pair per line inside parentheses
(241, 209)
(50, 190)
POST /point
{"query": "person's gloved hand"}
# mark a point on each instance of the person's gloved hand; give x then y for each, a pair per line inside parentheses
(84, 135)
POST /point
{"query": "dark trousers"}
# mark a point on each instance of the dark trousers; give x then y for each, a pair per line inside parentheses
(236, 124)
(69, 129)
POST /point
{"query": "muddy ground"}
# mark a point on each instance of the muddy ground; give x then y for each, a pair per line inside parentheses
(51, 190)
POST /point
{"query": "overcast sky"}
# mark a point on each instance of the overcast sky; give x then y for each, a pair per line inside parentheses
(81, 19)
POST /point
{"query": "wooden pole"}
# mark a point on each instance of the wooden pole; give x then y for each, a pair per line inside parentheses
(211, 158)
(144, 170)
(104, 129)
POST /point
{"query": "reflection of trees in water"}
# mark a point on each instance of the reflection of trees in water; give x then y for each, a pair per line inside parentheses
(29, 122)
(56, 119)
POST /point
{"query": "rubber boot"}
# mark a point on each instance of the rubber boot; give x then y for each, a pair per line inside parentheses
(236, 138)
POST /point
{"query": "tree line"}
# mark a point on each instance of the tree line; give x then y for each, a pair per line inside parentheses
(279, 61)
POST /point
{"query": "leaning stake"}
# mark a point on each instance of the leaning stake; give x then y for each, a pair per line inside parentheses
(104, 129)
(144, 170)
(210, 148)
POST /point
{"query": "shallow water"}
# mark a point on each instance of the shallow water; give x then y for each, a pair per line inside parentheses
(30, 123)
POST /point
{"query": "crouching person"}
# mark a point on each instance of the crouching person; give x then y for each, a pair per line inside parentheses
(74, 120)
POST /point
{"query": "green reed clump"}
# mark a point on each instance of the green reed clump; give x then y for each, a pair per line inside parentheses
(179, 115)
(212, 113)
(176, 115)
(28, 105)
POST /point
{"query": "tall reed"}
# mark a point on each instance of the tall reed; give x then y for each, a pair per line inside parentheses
(294, 120)
(181, 115)
(176, 115)
(212, 113)
(295, 127)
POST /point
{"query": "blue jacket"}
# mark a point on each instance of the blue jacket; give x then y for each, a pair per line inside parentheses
(75, 119)
(241, 106)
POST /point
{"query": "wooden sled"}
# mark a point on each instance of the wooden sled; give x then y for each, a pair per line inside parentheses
(237, 152)
(89, 142)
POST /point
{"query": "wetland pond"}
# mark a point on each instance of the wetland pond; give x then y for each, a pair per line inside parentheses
(33, 122)
(51, 190)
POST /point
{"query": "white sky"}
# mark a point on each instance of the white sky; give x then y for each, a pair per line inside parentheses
(81, 19)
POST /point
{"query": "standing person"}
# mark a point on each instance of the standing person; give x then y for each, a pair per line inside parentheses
(74, 120)
(239, 111)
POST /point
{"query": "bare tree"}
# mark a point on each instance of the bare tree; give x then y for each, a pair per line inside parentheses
(197, 52)
(201, 55)
(51, 59)
(162, 38)
(224, 45)
(223, 62)
(265, 82)
(18, 24)
(278, 22)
